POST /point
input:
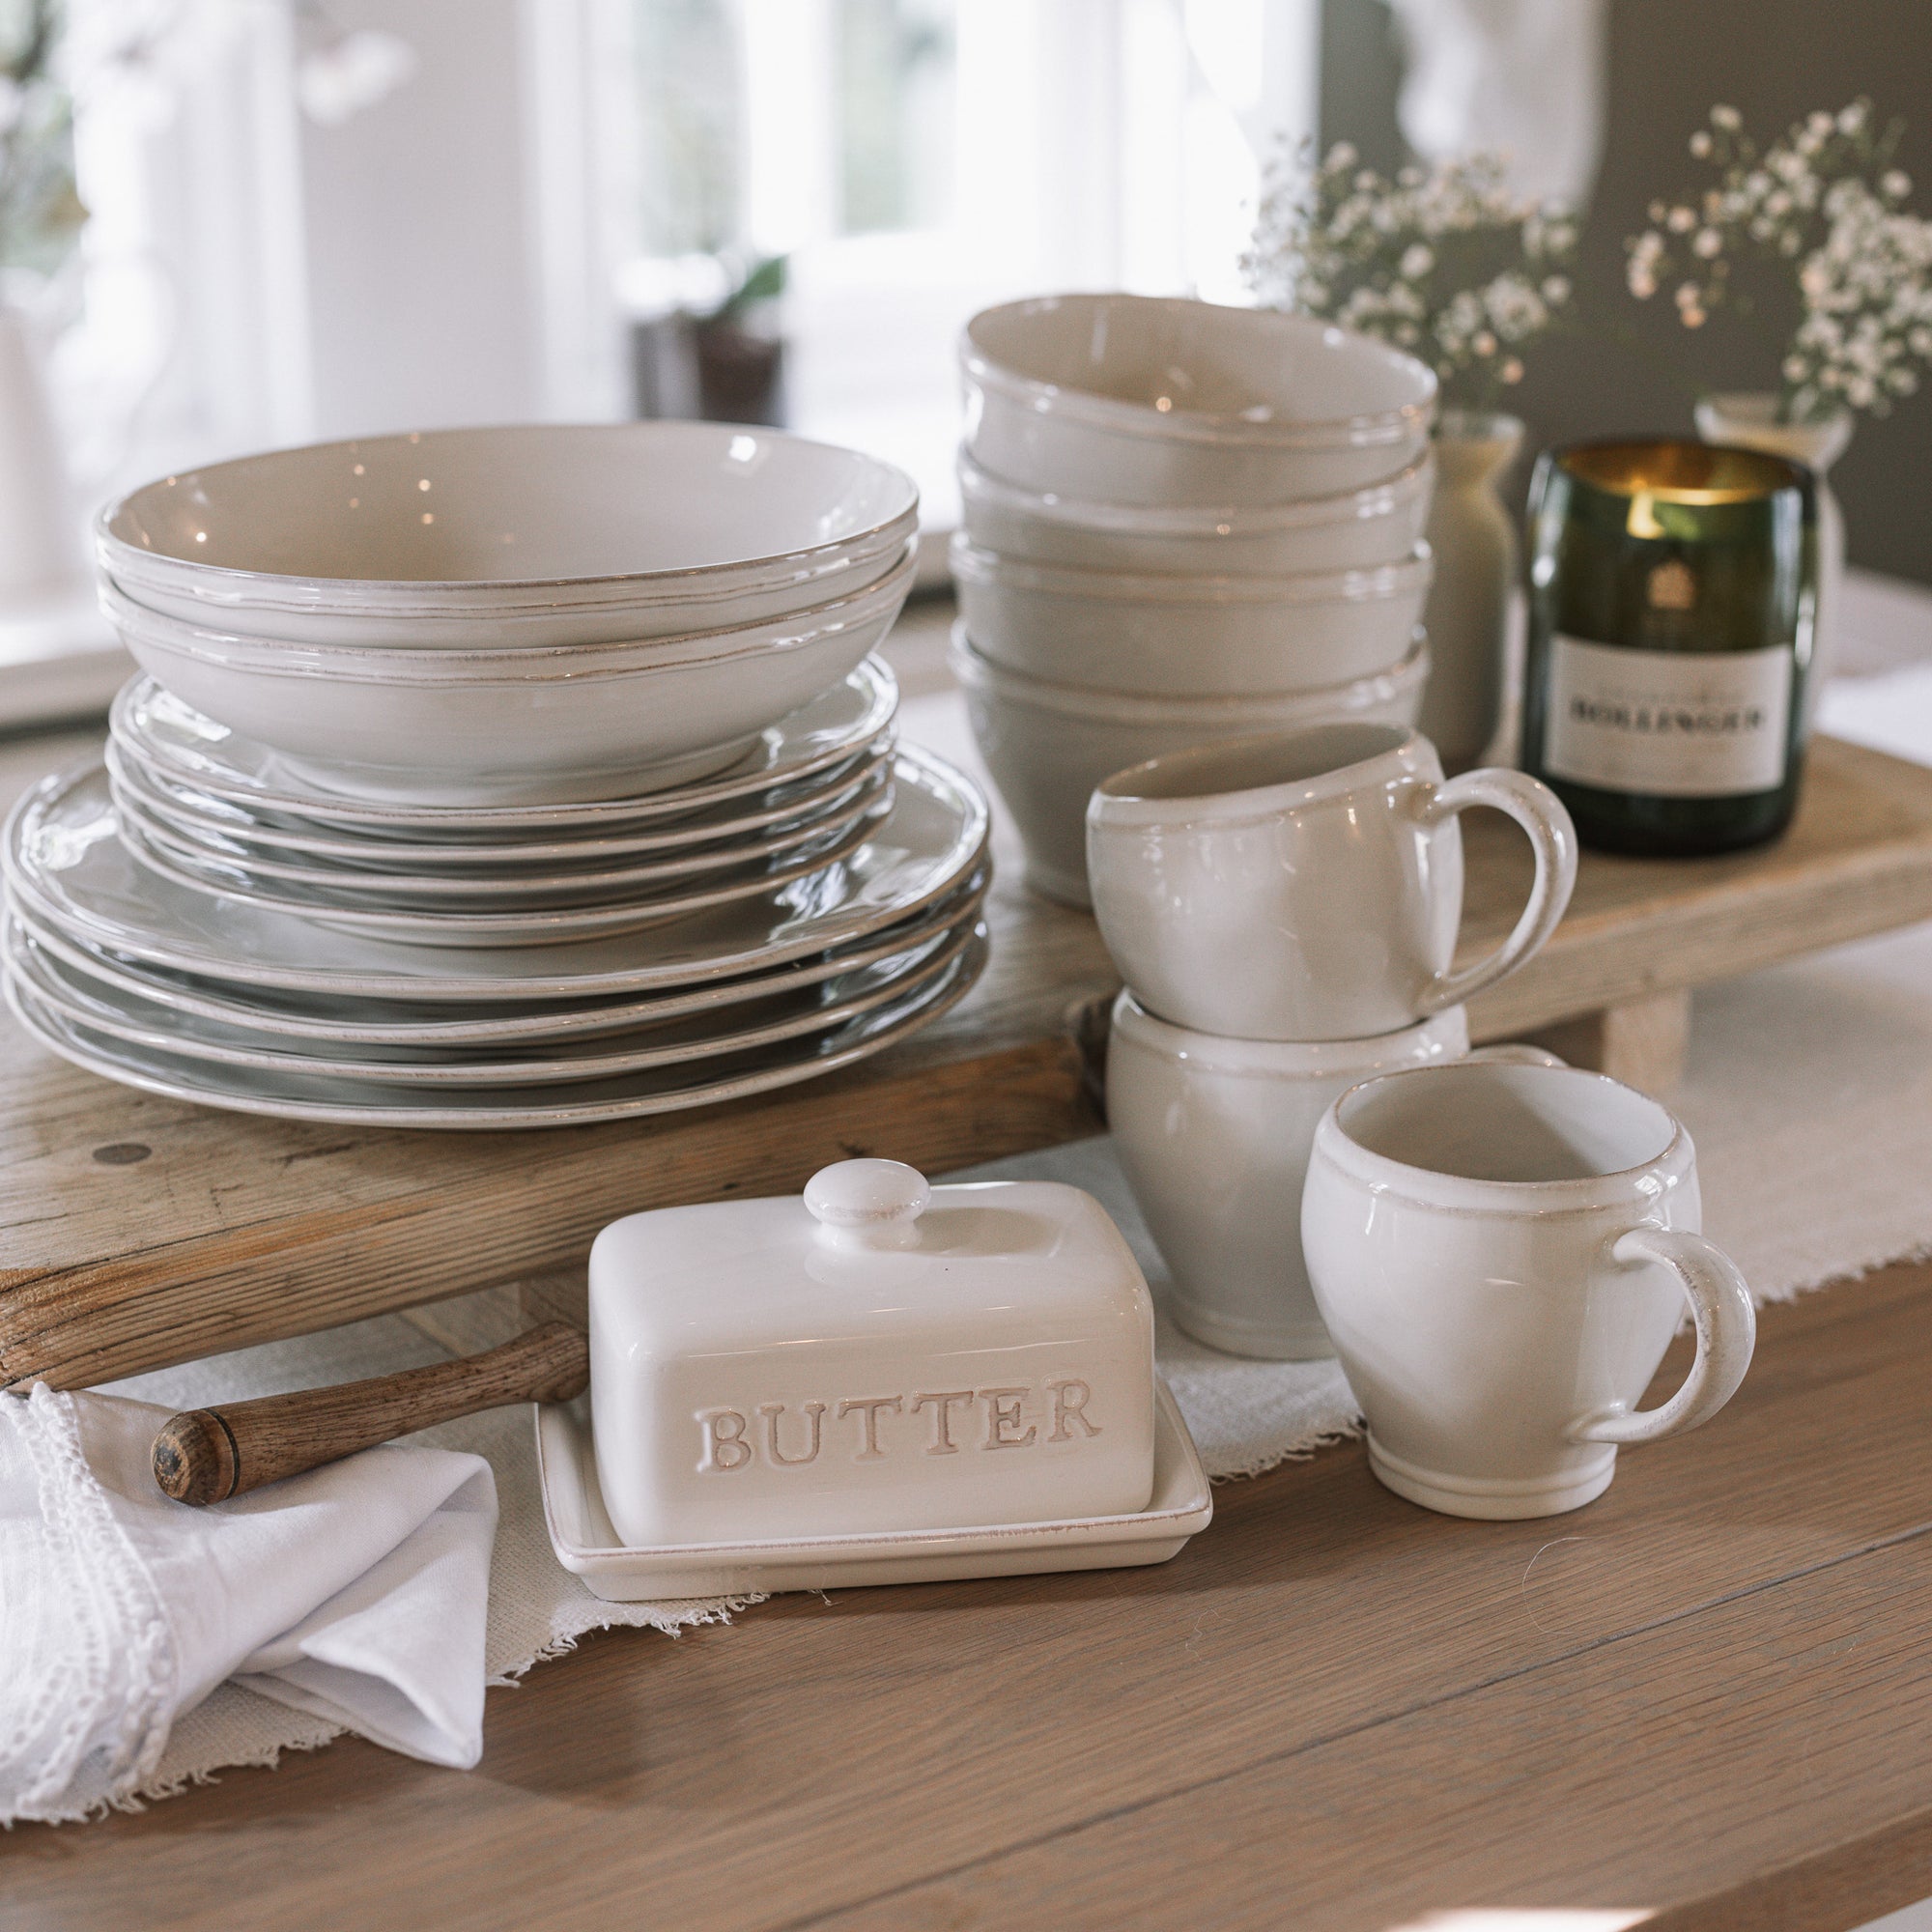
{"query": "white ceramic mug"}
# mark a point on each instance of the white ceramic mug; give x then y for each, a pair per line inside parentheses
(1214, 1136)
(1309, 885)
(1501, 1254)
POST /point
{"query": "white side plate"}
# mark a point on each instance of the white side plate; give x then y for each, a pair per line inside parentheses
(587, 1544)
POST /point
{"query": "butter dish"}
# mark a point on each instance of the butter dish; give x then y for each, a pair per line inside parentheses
(587, 1545)
(877, 1356)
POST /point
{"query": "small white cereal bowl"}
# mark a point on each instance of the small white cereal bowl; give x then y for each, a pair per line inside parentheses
(1190, 637)
(1359, 529)
(1048, 745)
(1158, 400)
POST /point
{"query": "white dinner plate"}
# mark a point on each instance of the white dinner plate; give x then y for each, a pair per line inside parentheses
(158, 730)
(195, 815)
(326, 1019)
(627, 1096)
(216, 859)
(511, 926)
(98, 1009)
(587, 1545)
(65, 866)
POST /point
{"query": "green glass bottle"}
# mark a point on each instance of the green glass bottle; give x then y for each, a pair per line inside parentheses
(1672, 592)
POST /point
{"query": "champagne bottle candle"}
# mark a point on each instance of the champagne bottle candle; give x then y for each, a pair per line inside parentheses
(1672, 592)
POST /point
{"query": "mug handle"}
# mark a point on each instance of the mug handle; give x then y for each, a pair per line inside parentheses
(1514, 1053)
(1720, 1304)
(1552, 837)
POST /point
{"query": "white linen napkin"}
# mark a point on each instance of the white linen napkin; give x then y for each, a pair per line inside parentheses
(356, 1593)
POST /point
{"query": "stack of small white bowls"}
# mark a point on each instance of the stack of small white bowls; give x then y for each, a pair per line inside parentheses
(500, 778)
(1182, 523)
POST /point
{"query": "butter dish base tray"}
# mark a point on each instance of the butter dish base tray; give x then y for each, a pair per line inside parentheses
(587, 1545)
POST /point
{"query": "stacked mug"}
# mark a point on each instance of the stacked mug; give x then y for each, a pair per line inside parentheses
(1284, 910)
(1182, 523)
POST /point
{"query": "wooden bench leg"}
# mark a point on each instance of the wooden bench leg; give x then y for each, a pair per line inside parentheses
(1642, 1042)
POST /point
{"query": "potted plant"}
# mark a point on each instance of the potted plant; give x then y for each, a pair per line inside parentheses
(1449, 265)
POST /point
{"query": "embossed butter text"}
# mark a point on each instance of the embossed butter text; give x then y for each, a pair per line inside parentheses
(897, 1427)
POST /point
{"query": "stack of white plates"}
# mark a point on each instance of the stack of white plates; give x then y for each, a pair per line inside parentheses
(1181, 521)
(476, 829)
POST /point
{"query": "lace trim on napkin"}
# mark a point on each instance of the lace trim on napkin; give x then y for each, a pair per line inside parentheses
(90, 1656)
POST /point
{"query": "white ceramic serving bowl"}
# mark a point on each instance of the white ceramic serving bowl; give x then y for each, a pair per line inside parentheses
(1158, 400)
(528, 535)
(1501, 1255)
(489, 728)
(1356, 530)
(1189, 636)
(1214, 1136)
(1048, 745)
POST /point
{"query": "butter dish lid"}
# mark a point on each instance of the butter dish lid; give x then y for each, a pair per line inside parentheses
(870, 1248)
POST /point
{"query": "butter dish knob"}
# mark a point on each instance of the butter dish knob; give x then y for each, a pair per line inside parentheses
(867, 1204)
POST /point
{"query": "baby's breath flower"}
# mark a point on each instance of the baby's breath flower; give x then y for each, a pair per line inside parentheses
(1825, 198)
(1444, 262)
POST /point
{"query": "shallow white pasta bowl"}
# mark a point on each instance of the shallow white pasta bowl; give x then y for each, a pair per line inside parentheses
(503, 726)
(526, 535)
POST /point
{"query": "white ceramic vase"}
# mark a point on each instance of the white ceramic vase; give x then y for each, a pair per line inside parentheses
(1473, 537)
(1748, 418)
(39, 549)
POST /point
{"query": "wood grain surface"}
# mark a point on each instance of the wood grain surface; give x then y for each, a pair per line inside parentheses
(1707, 1697)
(136, 1232)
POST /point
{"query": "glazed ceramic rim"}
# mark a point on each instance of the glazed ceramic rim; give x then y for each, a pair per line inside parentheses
(1371, 583)
(508, 888)
(497, 664)
(1118, 803)
(543, 1023)
(318, 593)
(507, 926)
(1089, 408)
(1456, 1193)
(946, 994)
(1279, 1059)
(916, 772)
(1087, 515)
(1313, 704)
(193, 818)
(871, 671)
(812, 584)
(430, 1074)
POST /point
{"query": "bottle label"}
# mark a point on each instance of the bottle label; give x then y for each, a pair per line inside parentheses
(1668, 723)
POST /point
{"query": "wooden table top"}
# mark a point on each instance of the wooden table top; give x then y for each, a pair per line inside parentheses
(136, 1230)
(1707, 1697)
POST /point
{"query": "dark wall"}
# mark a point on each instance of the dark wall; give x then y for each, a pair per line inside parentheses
(1631, 366)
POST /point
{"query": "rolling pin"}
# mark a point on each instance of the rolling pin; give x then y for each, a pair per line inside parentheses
(207, 1454)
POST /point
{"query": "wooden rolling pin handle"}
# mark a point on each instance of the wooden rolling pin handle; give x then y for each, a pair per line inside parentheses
(207, 1455)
